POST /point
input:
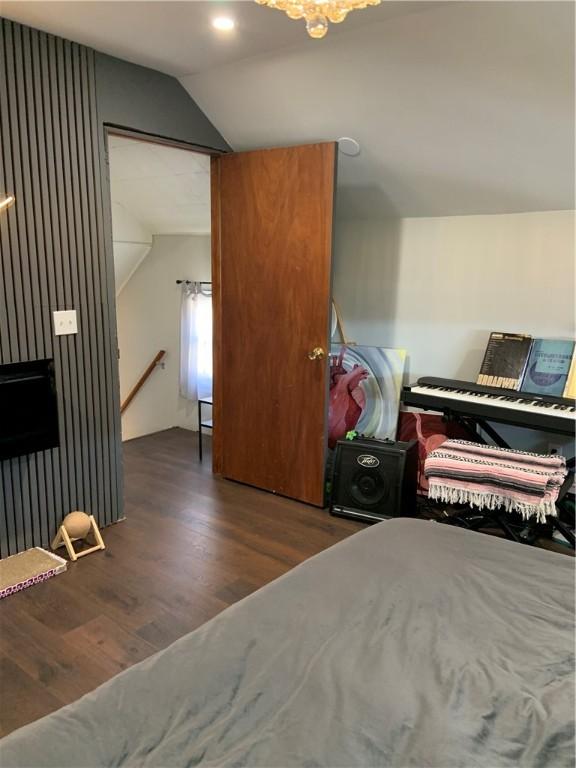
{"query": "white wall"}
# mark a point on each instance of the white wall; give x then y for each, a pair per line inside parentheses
(148, 310)
(438, 286)
(435, 286)
(132, 240)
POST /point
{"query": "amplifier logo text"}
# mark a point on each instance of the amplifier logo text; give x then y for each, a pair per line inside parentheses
(368, 461)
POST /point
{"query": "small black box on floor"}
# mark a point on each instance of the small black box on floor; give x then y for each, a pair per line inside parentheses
(374, 479)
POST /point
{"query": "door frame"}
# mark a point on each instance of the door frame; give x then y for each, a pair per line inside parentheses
(150, 138)
(108, 130)
(215, 233)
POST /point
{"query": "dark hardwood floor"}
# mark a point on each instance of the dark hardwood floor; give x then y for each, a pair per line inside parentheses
(191, 545)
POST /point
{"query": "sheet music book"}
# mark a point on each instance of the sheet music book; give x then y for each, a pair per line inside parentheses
(548, 366)
(570, 388)
(505, 360)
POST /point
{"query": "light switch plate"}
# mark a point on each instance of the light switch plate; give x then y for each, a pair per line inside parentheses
(65, 322)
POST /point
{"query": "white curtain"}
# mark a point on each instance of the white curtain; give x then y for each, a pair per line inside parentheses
(195, 343)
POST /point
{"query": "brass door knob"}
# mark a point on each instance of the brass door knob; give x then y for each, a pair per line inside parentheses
(317, 354)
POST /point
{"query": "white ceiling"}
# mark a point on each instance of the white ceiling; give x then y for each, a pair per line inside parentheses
(466, 108)
(164, 188)
(155, 190)
(177, 37)
(459, 107)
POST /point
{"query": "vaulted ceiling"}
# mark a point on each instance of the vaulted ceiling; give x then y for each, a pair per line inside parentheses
(459, 107)
(176, 37)
(464, 108)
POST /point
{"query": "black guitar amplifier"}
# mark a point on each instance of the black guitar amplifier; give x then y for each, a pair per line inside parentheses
(374, 479)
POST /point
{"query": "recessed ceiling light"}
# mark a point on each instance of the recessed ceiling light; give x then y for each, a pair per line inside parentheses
(223, 23)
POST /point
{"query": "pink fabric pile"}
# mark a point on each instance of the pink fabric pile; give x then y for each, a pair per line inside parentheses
(485, 476)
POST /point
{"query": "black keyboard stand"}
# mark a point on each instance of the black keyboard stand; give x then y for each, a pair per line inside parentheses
(472, 424)
(476, 519)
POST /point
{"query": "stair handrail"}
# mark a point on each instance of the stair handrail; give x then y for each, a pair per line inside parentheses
(142, 380)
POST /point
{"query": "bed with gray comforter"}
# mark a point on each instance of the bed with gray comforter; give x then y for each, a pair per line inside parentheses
(409, 644)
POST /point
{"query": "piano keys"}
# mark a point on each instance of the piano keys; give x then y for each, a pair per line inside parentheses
(505, 406)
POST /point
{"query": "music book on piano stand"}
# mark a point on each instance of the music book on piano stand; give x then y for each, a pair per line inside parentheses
(570, 388)
(505, 360)
(548, 366)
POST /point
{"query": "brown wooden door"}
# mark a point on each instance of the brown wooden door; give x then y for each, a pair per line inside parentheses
(272, 251)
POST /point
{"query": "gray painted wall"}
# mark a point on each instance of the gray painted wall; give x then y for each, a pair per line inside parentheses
(130, 96)
(56, 253)
(52, 258)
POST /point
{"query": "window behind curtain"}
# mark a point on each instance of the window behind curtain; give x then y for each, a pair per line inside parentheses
(196, 344)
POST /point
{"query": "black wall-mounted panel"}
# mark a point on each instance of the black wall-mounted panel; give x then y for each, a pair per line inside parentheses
(28, 408)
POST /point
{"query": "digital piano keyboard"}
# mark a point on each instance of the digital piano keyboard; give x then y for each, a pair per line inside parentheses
(505, 406)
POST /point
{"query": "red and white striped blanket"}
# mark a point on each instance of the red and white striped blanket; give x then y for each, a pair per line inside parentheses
(460, 472)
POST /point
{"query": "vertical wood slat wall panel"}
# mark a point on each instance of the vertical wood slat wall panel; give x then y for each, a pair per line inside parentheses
(52, 257)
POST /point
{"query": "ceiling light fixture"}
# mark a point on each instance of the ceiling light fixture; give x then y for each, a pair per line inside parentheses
(318, 12)
(223, 23)
(6, 202)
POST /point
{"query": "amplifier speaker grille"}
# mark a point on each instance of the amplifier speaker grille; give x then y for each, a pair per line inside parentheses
(374, 480)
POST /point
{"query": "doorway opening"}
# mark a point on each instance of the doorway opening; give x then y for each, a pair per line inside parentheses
(160, 197)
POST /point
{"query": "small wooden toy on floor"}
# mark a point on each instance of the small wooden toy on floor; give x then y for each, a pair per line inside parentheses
(77, 526)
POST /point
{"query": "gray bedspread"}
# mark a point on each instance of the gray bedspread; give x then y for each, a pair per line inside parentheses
(409, 644)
